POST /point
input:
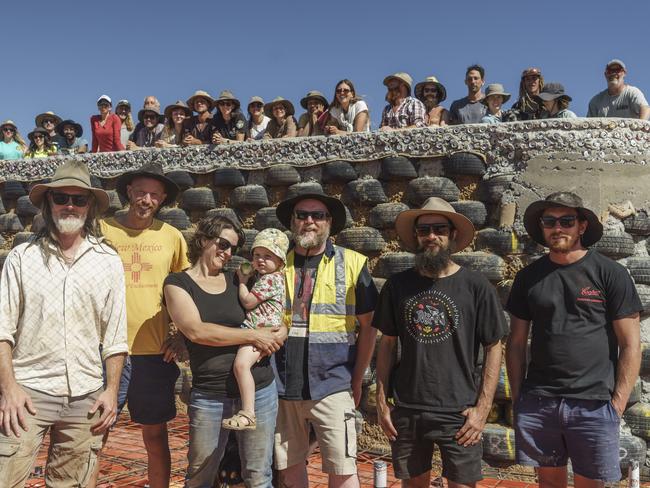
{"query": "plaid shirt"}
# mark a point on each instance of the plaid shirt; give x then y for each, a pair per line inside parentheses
(55, 316)
(411, 112)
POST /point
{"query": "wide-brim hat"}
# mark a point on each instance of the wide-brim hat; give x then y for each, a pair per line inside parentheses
(495, 89)
(334, 206)
(37, 130)
(316, 95)
(288, 106)
(562, 199)
(78, 130)
(226, 95)
(405, 223)
(154, 110)
(430, 80)
(256, 99)
(200, 94)
(403, 77)
(179, 104)
(531, 71)
(9, 122)
(274, 240)
(149, 170)
(71, 173)
(47, 115)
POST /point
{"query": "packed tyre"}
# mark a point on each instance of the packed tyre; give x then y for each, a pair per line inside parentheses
(383, 216)
(420, 189)
(361, 239)
(367, 191)
(397, 168)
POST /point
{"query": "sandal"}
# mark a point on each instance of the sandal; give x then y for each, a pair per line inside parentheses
(242, 420)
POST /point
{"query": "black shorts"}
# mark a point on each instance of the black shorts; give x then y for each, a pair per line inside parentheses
(417, 431)
(151, 389)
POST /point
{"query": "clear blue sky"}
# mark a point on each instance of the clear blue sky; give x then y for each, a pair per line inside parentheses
(61, 56)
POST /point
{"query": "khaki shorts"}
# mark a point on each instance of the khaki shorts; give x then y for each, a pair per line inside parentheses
(333, 419)
(73, 452)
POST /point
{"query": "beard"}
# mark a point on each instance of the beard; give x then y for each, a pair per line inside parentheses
(561, 246)
(69, 224)
(311, 239)
(430, 102)
(432, 261)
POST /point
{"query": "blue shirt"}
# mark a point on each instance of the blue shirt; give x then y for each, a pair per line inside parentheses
(11, 150)
(66, 148)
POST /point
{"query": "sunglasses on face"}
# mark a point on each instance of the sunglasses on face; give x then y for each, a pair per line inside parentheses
(566, 221)
(226, 104)
(103, 105)
(425, 230)
(256, 105)
(38, 136)
(60, 198)
(394, 88)
(48, 121)
(149, 116)
(224, 245)
(8, 129)
(316, 215)
(343, 91)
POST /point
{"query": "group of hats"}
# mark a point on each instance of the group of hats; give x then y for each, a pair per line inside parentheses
(406, 79)
(58, 123)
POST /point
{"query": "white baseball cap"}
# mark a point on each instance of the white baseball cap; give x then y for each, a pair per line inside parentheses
(105, 97)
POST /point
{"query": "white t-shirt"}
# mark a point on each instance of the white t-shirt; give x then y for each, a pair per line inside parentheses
(627, 104)
(257, 131)
(346, 119)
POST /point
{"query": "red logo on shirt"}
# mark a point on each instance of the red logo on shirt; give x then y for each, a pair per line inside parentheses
(136, 266)
(588, 294)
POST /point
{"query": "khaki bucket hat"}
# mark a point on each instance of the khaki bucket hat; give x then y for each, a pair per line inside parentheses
(316, 95)
(200, 94)
(495, 89)
(179, 104)
(405, 223)
(70, 173)
(227, 95)
(403, 77)
(288, 106)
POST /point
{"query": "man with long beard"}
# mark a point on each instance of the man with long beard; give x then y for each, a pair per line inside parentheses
(585, 351)
(432, 93)
(321, 365)
(442, 314)
(61, 296)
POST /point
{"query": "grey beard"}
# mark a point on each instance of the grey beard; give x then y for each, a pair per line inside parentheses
(309, 242)
(432, 264)
(69, 225)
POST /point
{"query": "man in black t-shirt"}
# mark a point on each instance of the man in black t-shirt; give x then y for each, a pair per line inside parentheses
(442, 314)
(585, 347)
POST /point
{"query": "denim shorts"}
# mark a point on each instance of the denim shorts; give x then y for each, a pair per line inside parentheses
(417, 431)
(551, 430)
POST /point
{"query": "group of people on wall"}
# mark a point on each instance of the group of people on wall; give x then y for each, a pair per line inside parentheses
(203, 119)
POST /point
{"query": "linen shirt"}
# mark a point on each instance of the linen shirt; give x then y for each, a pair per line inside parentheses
(55, 316)
(410, 112)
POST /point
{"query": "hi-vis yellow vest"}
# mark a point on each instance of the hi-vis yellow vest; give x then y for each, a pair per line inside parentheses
(332, 321)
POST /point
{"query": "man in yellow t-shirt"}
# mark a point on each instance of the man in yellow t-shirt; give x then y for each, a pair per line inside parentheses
(150, 250)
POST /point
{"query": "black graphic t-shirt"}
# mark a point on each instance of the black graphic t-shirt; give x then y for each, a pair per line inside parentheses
(441, 325)
(573, 348)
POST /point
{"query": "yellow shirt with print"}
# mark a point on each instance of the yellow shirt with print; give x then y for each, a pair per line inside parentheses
(148, 256)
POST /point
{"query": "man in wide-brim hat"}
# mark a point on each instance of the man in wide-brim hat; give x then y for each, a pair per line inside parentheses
(151, 130)
(150, 249)
(432, 93)
(48, 121)
(69, 138)
(321, 365)
(198, 129)
(441, 313)
(63, 310)
(572, 384)
(403, 111)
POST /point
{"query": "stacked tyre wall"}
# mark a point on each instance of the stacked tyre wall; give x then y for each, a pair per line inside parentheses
(488, 174)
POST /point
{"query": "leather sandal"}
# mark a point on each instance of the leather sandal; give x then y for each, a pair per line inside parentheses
(242, 420)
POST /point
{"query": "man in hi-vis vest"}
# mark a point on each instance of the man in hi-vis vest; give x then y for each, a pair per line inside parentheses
(321, 365)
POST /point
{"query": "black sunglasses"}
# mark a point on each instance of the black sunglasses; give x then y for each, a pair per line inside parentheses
(317, 215)
(424, 230)
(566, 221)
(60, 198)
(224, 245)
(8, 129)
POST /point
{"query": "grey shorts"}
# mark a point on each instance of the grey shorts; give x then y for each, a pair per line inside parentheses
(551, 430)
